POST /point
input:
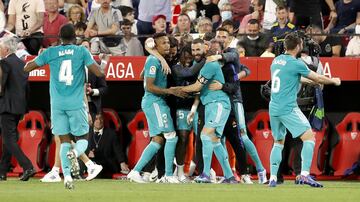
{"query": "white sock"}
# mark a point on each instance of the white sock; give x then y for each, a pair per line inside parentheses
(305, 173)
(273, 177)
(68, 178)
(89, 164)
(56, 169)
(180, 170)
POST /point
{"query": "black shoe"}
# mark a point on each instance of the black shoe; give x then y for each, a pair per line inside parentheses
(27, 174)
(2, 177)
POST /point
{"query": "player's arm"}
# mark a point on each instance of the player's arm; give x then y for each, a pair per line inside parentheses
(321, 79)
(196, 87)
(244, 72)
(149, 47)
(31, 65)
(151, 87)
(190, 116)
(180, 72)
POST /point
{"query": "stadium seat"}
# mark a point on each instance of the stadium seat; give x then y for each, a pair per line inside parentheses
(32, 139)
(112, 120)
(321, 147)
(347, 151)
(139, 130)
(50, 153)
(262, 138)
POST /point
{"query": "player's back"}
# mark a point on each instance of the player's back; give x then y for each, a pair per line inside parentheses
(67, 74)
(212, 71)
(286, 72)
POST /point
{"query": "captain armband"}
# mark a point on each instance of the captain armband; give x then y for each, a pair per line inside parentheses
(203, 80)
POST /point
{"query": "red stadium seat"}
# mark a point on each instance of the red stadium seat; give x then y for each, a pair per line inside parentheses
(347, 151)
(139, 130)
(50, 153)
(32, 139)
(262, 138)
(321, 147)
(112, 120)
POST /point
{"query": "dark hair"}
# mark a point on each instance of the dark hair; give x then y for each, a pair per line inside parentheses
(184, 14)
(173, 42)
(227, 22)
(261, 3)
(213, 41)
(221, 29)
(126, 10)
(198, 40)
(126, 22)
(279, 8)
(158, 35)
(185, 49)
(67, 32)
(212, 52)
(208, 36)
(253, 21)
(291, 41)
(80, 25)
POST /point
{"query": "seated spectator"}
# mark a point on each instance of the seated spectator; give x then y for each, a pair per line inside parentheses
(104, 23)
(330, 46)
(280, 29)
(132, 44)
(204, 25)
(240, 49)
(255, 43)
(76, 14)
(70, 3)
(257, 8)
(229, 26)
(191, 10)
(346, 16)
(159, 23)
(226, 12)
(183, 25)
(353, 48)
(52, 23)
(205, 8)
(80, 28)
(105, 149)
(31, 27)
(129, 13)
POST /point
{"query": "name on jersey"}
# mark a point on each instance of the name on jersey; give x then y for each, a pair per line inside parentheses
(66, 52)
(279, 62)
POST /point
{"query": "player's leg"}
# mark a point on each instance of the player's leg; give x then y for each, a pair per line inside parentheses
(299, 126)
(249, 145)
(53, 175)
(278, 132)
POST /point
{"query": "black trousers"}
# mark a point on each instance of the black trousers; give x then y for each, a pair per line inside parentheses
(305, 21)
(10, 147)
(33, 43)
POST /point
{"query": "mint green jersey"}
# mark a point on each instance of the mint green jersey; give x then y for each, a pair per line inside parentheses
(286, 72)
(209, 73)
(153, 70)
(67, 74)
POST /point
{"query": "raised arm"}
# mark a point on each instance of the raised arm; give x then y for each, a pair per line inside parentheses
(321, 79)
(184, 72)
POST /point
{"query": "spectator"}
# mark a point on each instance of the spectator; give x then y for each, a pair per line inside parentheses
(240, 8)
(52, 23)
(149, 8)
(13, 105)
(330, 46)
(191, 10)
(226, 12)
(346, 16)
(257, 8)
(205, 8)
(183, 25)
(132, 44)
(280, 29)
(80, 28)
(229, 26)
(27, 17)
(70, 3)
(255, 43)
(204, 25)
(105, 149)
(129, 13)
(353, 48)
(159, 23)
(240, 49)
(106, 20)
(174, 47)
(76, 14)
(308, 12)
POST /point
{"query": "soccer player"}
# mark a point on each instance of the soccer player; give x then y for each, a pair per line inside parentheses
(217, 110)
(67, 78)
(286, 73)
(157, 113)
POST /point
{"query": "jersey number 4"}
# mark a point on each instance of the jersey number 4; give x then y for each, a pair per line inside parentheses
(65, 74)
(275, 82)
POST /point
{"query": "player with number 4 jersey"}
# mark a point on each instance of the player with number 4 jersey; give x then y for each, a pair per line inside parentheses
(68, 109)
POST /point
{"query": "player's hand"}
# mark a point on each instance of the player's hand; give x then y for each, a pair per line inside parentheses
(91, 154)
(124, 168)
(213, 58)
(165, 67)
(89, 90)
(337, 81)
(190, 117)
(178, 92)
(215, 85)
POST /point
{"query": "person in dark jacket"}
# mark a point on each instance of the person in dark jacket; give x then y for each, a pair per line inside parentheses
(13, 105)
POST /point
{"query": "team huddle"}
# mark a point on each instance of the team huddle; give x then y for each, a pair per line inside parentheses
(200, 91)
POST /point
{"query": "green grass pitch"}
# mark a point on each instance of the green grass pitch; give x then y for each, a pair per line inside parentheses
(118, 190)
